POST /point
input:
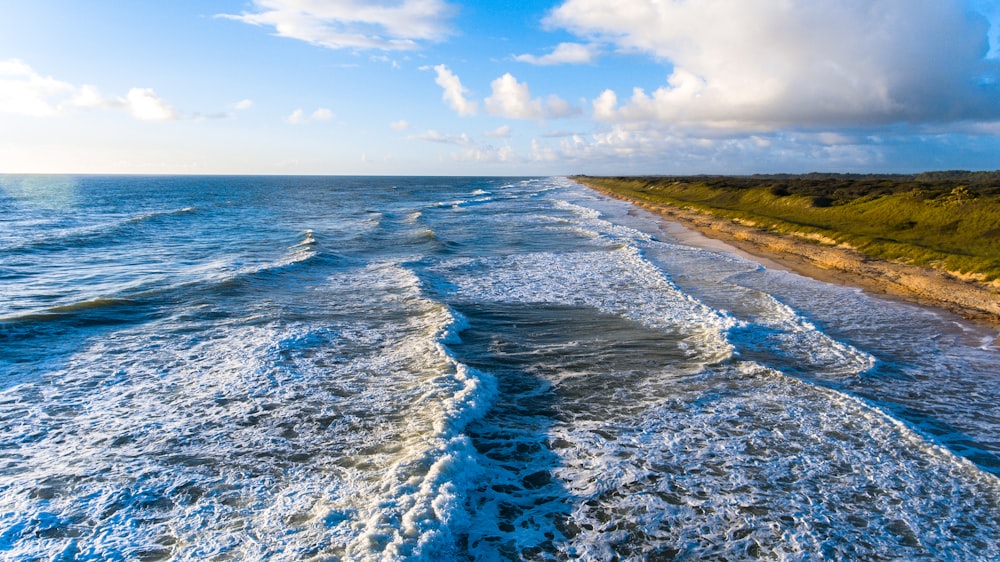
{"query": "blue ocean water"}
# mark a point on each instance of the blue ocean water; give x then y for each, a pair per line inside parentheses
(366, 368)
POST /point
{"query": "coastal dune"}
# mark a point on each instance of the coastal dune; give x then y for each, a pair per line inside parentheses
(807, 254)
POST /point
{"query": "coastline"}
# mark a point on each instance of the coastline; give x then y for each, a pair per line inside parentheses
(837, 264)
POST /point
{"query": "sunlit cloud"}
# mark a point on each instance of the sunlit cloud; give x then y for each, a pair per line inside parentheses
(243, 105)
(650, 150)
(454, 92)
(299, 116)
(556, 107)
(145, 105)
(501, 132)
(400, 125)
(564, 53)
(88, 97)
(321, 114)
(23, 91)
(487, 154)
(512, 99)
(778, 63)
(353, 24)
(432, 135)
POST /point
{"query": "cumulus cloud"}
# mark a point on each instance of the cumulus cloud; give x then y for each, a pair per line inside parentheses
(454, 92)
(243, 105)
(564, 53)
(558, 107)
(436, 136)
(769, 64)
(299, 116)
(400, 125)
(501, 132)
(469, 150)
(353, 24)
(651, 151)
(486, 154)
(512, 99)
(322, 114)
(145, 105)
(89, 97)
(23, 91)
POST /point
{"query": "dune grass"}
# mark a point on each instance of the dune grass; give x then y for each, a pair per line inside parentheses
(945, 220)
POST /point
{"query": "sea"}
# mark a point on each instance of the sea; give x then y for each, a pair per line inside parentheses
(445, 368)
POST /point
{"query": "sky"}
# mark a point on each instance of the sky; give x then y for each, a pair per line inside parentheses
(505, 87)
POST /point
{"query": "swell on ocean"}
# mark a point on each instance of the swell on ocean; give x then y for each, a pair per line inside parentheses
(365, 368)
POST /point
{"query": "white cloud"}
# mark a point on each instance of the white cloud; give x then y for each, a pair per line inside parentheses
(557, 133)
(470, 150)
(512, 99)
(400, 125)
(485, 154)
(145, 105)
(501, 132)
(322, 114)
(769, 64)
(605, 105)
(299, 116)
(353, 24)
(24, 91)
(668, 150)
(436, 136)
(564, 53)
(243, 105)
(558, 107)
(454, 92)
(88, 97)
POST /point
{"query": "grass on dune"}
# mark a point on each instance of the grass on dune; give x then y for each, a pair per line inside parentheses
(946, 220)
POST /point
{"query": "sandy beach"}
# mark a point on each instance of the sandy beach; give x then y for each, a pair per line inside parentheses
(970, 299)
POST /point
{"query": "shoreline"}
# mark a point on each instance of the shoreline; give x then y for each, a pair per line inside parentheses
(835, 264)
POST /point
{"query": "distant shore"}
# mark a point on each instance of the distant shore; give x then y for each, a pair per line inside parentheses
(972, 300)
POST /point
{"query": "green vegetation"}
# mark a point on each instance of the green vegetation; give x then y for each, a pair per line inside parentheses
(946, 220)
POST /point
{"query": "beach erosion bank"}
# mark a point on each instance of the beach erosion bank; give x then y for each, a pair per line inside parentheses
(971, 299)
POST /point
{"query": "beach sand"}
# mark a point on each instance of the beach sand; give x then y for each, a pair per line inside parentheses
(976, 301)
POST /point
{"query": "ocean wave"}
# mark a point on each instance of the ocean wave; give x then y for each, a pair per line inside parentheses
(302, 379)
(761, 325)
(125, 299)
(90, 312)
(776, 334)
(417, 507)
(308, 241)
(346, 438)
(107, 232)
(750, 463)
(619, 281)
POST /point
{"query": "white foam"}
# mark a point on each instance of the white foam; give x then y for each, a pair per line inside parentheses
(345, 438)
(751, 463)
(617, 282)
(763, 321)
(344, 427)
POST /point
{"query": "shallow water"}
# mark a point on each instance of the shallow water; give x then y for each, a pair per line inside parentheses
(461, 368)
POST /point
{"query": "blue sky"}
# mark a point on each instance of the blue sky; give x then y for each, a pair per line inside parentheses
(499, 88)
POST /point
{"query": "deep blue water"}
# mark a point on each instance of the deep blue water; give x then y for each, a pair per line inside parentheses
(365, 368)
